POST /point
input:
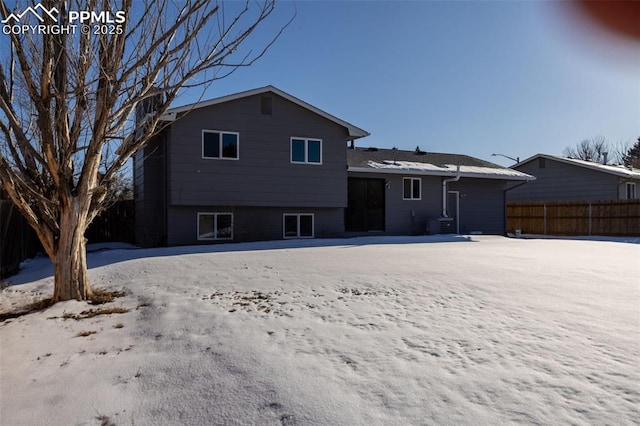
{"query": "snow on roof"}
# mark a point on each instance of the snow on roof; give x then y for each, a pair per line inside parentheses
(428, 169)
(354, 132)
(618, 170)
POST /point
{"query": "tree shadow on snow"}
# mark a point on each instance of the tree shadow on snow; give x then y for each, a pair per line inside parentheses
(40, 267)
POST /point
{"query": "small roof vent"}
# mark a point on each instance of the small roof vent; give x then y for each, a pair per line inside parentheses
(418, 151)
(372, 149)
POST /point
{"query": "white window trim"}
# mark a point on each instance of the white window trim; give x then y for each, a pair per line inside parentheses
(297, 215)
(306, 150)
(221, 132)
(412, 179)
(215, 226)
(626, 190)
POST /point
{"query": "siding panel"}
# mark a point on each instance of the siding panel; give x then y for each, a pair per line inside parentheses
(250, 223)
(263, 175)
(559, 181)
(149, 193)
(481, 204)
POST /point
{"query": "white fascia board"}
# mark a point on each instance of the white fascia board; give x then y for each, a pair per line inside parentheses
(400, 171)
(604, 168)
(442, 173)
(220, 100)
(526, 177)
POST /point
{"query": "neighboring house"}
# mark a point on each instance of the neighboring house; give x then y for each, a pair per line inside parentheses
(264, 165)
(566, 179)
(404, 192)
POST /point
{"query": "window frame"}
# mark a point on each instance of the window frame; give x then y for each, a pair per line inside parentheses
(298, 236)
(221, 134)
(306, 150)
(412, 179)
(630, 187)
(215, 226)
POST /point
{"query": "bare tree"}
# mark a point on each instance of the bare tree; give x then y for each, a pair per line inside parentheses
(68, 97)
(599, 150)
(594, 149)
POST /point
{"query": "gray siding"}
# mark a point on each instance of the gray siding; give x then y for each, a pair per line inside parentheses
(149, 193)
(559, 181)
(410, 216)
(481, 204)
(263, 176)
(249, 223)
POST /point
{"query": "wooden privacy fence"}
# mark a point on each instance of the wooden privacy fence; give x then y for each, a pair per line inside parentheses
(608, 217)
(116, 224)
(17, 240)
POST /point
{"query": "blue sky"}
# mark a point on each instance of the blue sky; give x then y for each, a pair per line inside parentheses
(474, 78)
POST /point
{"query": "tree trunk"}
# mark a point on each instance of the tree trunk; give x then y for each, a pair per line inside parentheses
(70, 263)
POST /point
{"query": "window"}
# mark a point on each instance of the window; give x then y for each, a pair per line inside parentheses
(222, 145)
(298, 225)
(411, 189)
(542, 163)
(306, 151)
(215, 226)
(631, 190)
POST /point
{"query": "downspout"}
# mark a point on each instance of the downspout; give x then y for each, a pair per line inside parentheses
(444, 190)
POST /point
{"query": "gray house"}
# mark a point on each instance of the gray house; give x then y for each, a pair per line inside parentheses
(409, 192)
(566, 179)
(264, 165)
(255, 165)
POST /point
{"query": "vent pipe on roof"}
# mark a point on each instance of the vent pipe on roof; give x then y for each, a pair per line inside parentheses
(604, 158)
(444, 190)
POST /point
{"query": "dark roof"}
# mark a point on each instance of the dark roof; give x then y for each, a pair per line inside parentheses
(360, 157)
(385, 161)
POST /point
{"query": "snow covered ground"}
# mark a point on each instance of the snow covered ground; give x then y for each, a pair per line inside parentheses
(365, 331)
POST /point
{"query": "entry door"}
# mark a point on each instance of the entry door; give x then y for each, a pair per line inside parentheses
(365, 211)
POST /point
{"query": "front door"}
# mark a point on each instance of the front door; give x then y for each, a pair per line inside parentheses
(365, 211)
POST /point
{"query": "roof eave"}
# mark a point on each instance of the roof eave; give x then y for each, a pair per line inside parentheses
(443, 173)
(356, 133)
(620, 173)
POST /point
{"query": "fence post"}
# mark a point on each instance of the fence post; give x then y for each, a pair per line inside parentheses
(544, 225)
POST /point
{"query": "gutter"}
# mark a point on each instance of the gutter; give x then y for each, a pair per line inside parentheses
(414, 172)
(444, 190)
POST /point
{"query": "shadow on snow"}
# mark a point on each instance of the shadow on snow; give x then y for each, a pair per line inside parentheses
(99, 255)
